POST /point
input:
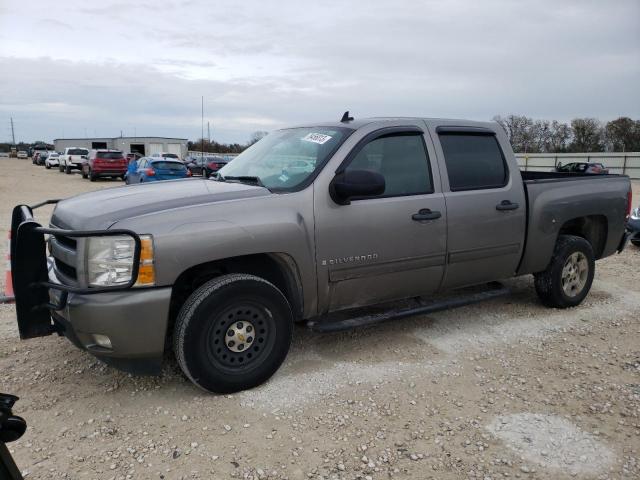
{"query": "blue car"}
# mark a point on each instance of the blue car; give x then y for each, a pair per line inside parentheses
(148, 169)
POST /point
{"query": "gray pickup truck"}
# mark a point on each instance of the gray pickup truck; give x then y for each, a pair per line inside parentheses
(311, 223)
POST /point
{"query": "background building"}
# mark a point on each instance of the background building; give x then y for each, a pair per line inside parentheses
(142, 145)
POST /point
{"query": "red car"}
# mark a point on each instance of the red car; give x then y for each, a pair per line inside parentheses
(104, 163)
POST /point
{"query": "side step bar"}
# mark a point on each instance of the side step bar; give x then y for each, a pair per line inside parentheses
(337, 322)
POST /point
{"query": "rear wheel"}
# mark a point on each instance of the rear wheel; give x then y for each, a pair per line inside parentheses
(60, 168)
(92, 176)
(47, 166)
(233, 333)
(67, 170)
(568, 278)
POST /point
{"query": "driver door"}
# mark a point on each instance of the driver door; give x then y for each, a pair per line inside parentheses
(381, 248)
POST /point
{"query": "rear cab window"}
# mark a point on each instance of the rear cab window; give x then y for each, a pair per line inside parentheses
(78, 151)
(110, 155)
(474, 161)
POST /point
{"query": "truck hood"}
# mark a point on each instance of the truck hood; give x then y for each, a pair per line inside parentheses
(103, 208)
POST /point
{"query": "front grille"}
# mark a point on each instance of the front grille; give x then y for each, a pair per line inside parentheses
(64, 251)
(67, 241)
(66, 270)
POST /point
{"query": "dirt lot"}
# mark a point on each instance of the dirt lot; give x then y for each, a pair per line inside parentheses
(499, 390)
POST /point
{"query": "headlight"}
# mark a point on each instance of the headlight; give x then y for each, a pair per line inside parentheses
(635, 214)
(110, 261)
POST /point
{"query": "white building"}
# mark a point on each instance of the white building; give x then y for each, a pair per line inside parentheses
(142, 145)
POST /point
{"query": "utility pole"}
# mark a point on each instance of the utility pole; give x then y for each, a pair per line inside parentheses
(202, 132)
(209, 134)
(13, 133)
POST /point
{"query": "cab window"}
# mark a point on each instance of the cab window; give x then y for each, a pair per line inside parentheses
(401, 159)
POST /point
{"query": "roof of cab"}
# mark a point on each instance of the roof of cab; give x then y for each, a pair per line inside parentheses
(361, 122)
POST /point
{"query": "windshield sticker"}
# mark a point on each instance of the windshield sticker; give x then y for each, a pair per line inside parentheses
(318, 138)
(283, 178)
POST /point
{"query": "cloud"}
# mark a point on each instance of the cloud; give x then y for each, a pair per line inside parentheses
(261, 65)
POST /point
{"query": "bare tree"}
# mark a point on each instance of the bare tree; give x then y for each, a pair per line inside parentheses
(588, 135)
(623, 134)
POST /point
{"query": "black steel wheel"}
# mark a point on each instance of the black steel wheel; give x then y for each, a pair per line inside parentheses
(233, 333)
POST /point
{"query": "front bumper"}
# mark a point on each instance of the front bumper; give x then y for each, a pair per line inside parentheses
(133, 320)
(633, 227)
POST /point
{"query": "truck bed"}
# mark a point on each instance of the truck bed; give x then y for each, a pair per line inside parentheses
(557, 202)
(537, 177)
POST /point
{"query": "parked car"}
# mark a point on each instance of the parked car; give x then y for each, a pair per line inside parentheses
(105, 163)
(153, 169)
(206, 165)
(52, 160)
(583, 167)
(22, 154)
(72, 159)
(165, 155)
(633, 226)
(12, 427)
(394, 209)
(34, 158)
(133, 156)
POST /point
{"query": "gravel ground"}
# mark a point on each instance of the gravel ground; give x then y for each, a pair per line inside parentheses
(499, 390)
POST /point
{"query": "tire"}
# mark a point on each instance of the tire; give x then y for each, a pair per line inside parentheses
(92, 177)
(60, 168)
(47, 166)
(570, 251)
(84, 174)
(635, 243)
(201, 335)
(67, 170)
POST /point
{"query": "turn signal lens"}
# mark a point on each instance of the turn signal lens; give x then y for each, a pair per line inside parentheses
(146, 271)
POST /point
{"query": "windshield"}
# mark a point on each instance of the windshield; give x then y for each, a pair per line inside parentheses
(285, 159)
(170, 155)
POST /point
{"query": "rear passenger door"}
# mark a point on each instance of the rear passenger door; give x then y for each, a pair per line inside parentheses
(486, 207)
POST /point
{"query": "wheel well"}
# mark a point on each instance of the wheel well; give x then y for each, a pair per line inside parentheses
(279, 269)
(592, 228)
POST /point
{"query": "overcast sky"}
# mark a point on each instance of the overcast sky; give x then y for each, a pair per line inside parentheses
(73, 67)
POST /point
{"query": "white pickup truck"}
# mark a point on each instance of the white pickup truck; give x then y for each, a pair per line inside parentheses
(72, 158)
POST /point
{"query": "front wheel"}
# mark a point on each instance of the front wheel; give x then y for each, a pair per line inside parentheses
(568, 278)
(47, 166)
(233, 333)
(67, 170)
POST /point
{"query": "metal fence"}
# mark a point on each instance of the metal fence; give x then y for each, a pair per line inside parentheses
(627, 163)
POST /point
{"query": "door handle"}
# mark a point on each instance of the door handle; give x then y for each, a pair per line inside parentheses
(507, 205)
(425, 214)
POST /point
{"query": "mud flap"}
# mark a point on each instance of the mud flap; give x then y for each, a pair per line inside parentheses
(29, 268)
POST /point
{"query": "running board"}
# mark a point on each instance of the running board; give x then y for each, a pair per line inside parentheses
(330, 323)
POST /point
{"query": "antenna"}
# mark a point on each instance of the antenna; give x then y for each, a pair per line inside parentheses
(346, 118)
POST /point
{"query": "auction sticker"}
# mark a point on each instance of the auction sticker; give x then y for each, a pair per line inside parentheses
(319, 138)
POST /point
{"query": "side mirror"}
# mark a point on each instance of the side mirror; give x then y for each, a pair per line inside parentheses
(355, 183)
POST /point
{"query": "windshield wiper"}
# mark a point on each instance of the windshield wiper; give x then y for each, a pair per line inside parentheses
(243, 179)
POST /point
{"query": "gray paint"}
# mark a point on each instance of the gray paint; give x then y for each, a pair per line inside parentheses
(348, 255)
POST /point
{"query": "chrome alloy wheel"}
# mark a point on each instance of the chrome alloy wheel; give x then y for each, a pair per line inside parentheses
(574, 274)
